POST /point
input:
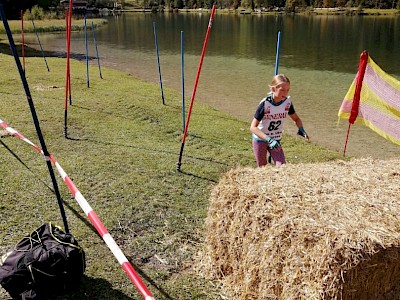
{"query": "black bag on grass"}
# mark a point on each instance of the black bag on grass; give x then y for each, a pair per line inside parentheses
(45, 263)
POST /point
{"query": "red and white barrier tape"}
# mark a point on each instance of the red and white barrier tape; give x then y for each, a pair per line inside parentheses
(94, 219)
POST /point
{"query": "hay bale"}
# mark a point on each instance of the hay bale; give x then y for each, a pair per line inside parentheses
(307, 231)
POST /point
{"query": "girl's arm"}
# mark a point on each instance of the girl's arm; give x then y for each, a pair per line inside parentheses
(297, 120)
(254, 129)
(272, 143)
(299, 125)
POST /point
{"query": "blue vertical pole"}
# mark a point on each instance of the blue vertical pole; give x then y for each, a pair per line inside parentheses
(158, 61)
(87, 55)
(183, 82)
(40, 44)
(97, 51)
(278, 49)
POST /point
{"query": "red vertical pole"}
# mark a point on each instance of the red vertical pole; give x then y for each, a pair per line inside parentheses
(23, 40)
(68, 18)
(71, 10)
(178, 164)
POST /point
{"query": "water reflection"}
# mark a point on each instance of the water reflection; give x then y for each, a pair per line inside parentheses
(320, 42)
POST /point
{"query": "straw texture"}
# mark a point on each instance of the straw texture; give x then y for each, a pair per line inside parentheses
(306, 231)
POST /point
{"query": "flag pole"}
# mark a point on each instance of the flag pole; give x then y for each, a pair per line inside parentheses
(347, 137)
(179, 163)
(357, 94)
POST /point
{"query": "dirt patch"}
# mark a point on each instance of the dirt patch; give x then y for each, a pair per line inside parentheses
(47, 88)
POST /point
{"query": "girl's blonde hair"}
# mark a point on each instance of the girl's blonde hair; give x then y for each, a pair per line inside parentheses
(278, 79)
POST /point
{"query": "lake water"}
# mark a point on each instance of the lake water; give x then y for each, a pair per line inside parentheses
(319, 54)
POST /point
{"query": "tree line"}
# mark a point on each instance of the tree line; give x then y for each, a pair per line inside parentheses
(13, 8)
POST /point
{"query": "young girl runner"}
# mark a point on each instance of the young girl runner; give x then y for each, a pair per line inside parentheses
(267, 125)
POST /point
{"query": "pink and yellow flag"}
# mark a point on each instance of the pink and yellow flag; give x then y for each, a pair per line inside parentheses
(375, 103)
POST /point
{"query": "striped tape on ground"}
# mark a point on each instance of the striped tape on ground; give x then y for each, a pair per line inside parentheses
(92, 216)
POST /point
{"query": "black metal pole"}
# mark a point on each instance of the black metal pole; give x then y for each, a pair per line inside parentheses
(40, 44)
(97, 51)
(34, 116)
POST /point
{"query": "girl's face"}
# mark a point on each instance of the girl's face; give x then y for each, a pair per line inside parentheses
(280, 91)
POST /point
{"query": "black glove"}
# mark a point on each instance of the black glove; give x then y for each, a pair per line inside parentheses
(302, 133)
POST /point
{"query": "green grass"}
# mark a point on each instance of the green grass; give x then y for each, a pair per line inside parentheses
(354, 11)
(121, 153)
(133, 5)
(52, 25)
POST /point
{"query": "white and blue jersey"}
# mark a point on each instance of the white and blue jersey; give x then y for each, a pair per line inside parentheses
(272, 116)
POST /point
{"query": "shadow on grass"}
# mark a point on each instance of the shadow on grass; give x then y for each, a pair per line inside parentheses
(32, 52)
(151, 282)
(108, 113)
(74, 211)
(16, 156)
(195, 176)
(211, 160)
(175, 108)
(93, 288)
(214, 113)
(90, 288)
(158, 151)
(71, 138)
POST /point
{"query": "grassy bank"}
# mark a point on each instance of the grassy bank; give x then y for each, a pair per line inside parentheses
(345, 11)
(121, 153)
(53, 25)
(132, 6)
(355, 11)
